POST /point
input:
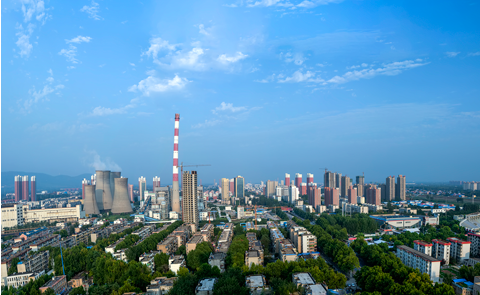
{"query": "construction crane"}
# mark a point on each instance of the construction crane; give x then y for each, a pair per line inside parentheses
(255, 208)
(181, 167)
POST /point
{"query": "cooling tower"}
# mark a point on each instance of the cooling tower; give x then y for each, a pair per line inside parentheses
(121, 202)
(90, 203)
(103, 193)
(114, 175)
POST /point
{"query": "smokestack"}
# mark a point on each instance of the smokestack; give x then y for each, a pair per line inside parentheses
(90, 205)
(121, 202)
(175, 188)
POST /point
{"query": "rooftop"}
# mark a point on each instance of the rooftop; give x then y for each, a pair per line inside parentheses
(255, 281)
(196, 239)
(303, 278)
(206, 284)
(418, 253)
(252, 253)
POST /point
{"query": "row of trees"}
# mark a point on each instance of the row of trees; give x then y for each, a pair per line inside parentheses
(384, 273)
(357, 223)
(150, 243)
(107, 241)
(278, 275)
(199, 256)
(236, 252)
(127, 242)
(342, 255)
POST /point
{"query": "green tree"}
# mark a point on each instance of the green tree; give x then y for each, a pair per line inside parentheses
(199, 256)
(161, 262)
(13, 266)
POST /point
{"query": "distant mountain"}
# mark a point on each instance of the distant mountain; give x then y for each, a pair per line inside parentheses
(44, 181)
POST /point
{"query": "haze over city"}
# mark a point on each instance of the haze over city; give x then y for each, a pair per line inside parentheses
(263, 88)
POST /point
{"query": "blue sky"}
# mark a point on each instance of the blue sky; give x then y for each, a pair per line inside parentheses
(263, 88)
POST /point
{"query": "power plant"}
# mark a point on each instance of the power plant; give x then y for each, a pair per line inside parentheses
(90, 204)
(121, 201)
(175, 187)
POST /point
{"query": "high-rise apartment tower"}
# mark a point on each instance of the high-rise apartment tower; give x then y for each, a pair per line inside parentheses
(189, 197)
(401, 188)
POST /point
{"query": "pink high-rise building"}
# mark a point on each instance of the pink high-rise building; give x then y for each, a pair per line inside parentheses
(331, 196)
(232, 186)
(298, 180)
(309, 177)
(303, 188)
(33, 181)
(18, 188)
(130, 193)
(84, 183)
(287, 179)
(314, 197)
(373, 195)
(25, 187)
(352, 195)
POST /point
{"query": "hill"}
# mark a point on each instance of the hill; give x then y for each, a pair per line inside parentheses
(44, 181)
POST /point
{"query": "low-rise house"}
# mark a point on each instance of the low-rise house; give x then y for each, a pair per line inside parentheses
(78, 280)
(303, 279)
(58, 284)
(205, 286)
(20, 279)
(257, 284)
(218, 260)
(193, 242)
(175, 262)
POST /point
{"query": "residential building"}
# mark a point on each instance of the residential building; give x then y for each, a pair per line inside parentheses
(34, 263)
(19, 279)
(77, 280)
(252, 257)
(13, 215)
(189, 198)
(293, 194)
(389, 189)
(218, 260)
(257, 284)
(425, 248)
(331, 196)
(207, 231)
(205, 286)
(288, 254)
(400, 188)
(270, 188)
(460, 249)
(58, 284)
(193, 242)
(329, 180)
(149, 259)
(475, 246)
(373, 195)
(303, 279)
(352, 195)
(169, 245)
(287, 179)
(317, 289)
(225, 186)
(345, 185)
(175, 262)
(239, 185)
(423, 262)
(314, 196)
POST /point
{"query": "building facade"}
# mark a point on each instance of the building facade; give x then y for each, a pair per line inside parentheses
(189, 198)
(423, 262)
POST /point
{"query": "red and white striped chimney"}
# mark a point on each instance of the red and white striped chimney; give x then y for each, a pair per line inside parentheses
(175, 186)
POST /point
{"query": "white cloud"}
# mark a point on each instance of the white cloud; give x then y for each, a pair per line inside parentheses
(224, 59)
(79, 39)
(152, 84)
(189, 60)
(42, 94)
(228, 107)
(452, 54)
(390, 69)
(92, 10)
(70, 54)
(296, 58)
(102, 111)
(298, 76)
(132, 64)
(474, 53)
(315, 3)
(264, 3)
(34, 7)
(50, 72)
(364, 65)
(203, 30)
(207, 123)
(157, 45)
(23, 42)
